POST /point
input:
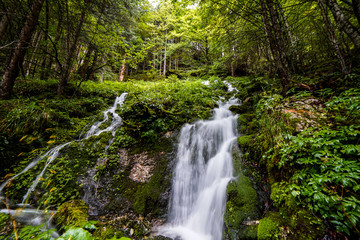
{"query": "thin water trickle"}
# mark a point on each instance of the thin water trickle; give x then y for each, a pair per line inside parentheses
(203, 170)
(53, 153)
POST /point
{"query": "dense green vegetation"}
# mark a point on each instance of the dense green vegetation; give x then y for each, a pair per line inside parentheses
(307, 144)
(294, 62)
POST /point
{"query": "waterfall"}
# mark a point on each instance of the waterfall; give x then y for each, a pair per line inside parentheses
(53, 153)
(203, 170)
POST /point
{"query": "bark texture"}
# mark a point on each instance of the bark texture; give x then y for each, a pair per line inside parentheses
(343, 23)
(273, 33)
(332, 37)
(71, 51)
(12, 71)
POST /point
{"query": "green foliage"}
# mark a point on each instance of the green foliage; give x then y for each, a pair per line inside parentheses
(72, 213)
(346, 107)
(75, 233)
(319, 166)
(163, 106)
(327, 173)
(33, 232)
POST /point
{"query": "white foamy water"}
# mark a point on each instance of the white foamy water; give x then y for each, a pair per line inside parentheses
(203, 170)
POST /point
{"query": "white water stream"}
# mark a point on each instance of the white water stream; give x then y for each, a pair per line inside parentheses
(203, 170)
(53, 153)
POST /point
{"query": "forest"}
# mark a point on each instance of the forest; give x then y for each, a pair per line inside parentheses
(107, 110)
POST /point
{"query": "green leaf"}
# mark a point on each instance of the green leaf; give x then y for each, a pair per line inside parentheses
(76, 234)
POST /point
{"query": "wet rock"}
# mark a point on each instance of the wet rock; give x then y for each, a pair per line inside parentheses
(304, 113)
(143, 168)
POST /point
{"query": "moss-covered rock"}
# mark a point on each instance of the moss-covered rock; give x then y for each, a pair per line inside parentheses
(269, 227)
(73, 212)
(245, 118)
(242, 205)
(302, 224)
(244, 142)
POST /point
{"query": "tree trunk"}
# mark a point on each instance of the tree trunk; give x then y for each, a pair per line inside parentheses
(70, 55)
(37, 41)
(3, 24)
(90, 73)
(277, 46)
(164, 73)
(122, 69)
(12, 71)
(85, 63)
(343, 23)
(48, 60)
(332, 37)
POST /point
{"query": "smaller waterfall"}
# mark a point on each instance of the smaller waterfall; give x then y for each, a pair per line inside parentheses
(203, 170)
(53, 153)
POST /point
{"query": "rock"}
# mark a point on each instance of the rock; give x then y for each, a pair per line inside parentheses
(242, 207)
(304, 113)
(244, 142)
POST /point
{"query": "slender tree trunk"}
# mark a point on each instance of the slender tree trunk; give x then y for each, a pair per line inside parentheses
(12, 71)
(90, 73)
(164, 73)
(70, 55)
(3, 24)
(85, 63)
(332, 37)
(122, 69)
(277, 46)
(37, 41)
(343, 23)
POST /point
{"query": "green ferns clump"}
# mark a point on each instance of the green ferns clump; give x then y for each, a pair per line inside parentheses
(318, 167)
(71, 213)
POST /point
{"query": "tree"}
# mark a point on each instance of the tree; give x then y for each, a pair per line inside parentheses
(12, 71)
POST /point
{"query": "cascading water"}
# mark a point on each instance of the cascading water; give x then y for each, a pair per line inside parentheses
(203, 170)
(53, 153)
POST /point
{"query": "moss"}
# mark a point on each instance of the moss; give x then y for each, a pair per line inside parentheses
(302, 224)
(242, 94)
(104, 232)
(73, 213)
(147, 198)
(269, 227)
(242, 204)
(248, 232)
(244, 142)
(240, 109)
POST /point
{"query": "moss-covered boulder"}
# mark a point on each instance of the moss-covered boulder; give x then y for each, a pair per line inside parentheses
(269, 227)
(74, 213)
(242, 207)
(244, 142)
